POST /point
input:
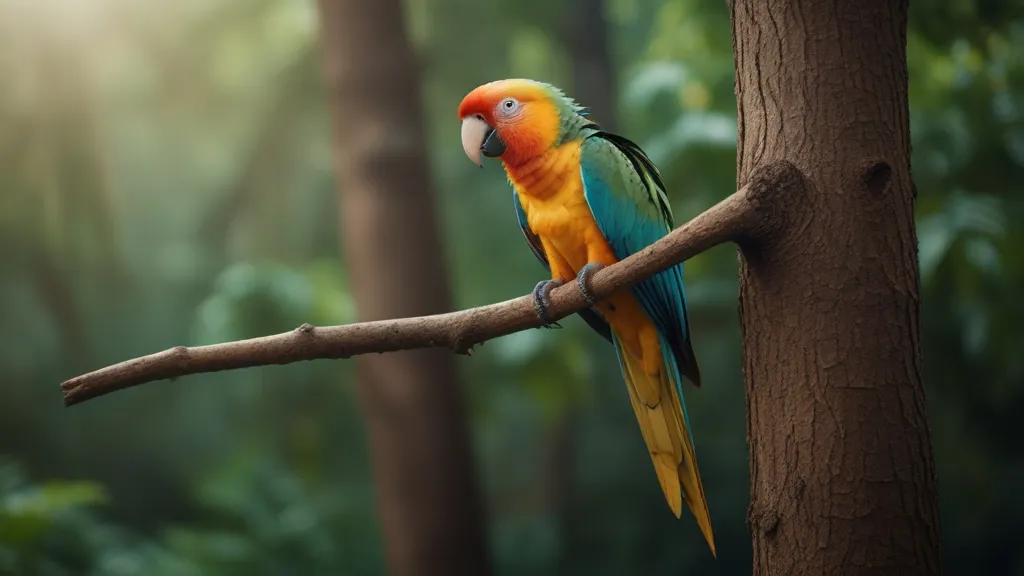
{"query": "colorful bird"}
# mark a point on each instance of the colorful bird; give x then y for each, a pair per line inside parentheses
(586, 198)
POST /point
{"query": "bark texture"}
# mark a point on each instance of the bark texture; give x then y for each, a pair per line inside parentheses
(842, 473)
(427, 498)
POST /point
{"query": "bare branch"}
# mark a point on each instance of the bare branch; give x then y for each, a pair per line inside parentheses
(733, 219)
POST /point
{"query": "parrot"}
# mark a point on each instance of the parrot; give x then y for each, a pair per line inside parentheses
(586, 198)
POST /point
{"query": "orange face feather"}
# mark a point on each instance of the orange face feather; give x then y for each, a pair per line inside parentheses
(521, 113)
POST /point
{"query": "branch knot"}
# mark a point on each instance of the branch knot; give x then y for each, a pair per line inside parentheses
(773, 191)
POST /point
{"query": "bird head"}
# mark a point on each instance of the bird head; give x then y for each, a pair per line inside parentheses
(514, 120)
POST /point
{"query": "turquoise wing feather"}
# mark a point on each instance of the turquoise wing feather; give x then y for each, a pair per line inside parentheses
(627, 197)
(589, 315)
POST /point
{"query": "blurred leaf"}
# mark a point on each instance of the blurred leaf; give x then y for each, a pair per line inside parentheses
(962, 216)
(653, 78)
(711, 129)
(28, 512)
(553, 367)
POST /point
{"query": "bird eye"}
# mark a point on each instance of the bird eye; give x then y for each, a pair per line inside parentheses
(509, 106)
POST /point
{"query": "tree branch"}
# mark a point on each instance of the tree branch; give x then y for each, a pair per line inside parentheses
(737, 218)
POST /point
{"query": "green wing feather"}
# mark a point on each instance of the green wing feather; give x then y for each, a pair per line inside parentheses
(626, 195)
(627, 199)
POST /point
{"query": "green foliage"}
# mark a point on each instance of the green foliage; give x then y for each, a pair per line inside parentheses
(250, 300)
(27, 513)
(262, 520)
(39, 524)
(166, 178)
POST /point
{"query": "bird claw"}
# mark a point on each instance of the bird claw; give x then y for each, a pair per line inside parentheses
(583, 281)
(541, 302)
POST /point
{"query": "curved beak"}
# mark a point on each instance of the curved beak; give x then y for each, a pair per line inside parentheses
(480, 137)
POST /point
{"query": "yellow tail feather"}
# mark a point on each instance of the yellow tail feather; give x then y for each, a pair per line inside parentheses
(660, 416)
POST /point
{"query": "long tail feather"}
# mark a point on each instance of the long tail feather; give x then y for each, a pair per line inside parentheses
(664, 425)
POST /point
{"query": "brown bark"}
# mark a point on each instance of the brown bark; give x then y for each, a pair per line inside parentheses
(427, 496)
(842, 473)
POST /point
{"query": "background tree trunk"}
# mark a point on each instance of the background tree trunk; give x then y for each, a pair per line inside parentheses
(585, 32)
(842, 474)
(585, 38)
(426, 493)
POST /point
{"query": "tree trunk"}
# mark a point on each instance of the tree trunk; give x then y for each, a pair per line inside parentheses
(585, 30)
(427, 497)
(585, 38)
(842, 474)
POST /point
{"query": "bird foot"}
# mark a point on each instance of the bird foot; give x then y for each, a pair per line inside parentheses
(583, 281)
(541, 301)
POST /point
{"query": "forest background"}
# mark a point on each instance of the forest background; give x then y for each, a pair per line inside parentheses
(166, 178)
